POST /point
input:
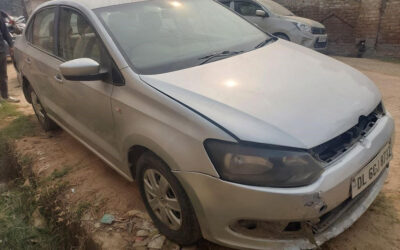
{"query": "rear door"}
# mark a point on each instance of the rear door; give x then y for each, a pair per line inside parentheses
(86, 104)
(40, 62)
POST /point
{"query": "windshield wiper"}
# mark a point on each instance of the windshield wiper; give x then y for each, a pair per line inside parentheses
(225, 53)
(265, 42)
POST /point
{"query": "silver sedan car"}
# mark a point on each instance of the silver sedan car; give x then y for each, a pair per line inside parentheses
(244, 139)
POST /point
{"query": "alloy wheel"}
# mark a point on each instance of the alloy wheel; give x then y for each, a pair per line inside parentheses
(162, 199)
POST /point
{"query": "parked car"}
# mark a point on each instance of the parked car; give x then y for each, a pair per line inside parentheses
(275, 19)
(233, 135)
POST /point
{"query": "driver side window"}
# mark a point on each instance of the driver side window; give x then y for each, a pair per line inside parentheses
(245, 8)
(77, 39)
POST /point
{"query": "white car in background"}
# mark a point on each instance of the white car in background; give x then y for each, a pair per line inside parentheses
(275, 19)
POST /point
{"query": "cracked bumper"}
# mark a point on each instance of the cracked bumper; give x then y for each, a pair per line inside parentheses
(220, 204)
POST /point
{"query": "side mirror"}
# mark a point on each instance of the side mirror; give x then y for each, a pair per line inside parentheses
(82, 69)
(261, 13)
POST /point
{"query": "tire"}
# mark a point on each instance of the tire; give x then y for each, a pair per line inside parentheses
(188, 231)
(282, 36)
(45, 122)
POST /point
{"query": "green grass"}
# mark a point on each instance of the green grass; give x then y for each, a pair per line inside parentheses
(16, 127)
(16, 209)
(8, 110)
(57, 174)
(16, 206)
(19, 202)
(81, 209)
(21, 126)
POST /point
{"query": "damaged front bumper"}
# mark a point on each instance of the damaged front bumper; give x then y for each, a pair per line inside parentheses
(241, 216)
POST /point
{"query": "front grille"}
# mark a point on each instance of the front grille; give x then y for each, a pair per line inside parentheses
(318, 31)
(319, 45)
(332, 149)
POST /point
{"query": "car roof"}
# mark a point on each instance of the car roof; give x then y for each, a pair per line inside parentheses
(93, 4)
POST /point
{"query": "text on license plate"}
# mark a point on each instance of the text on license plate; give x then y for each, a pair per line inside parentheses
(322, 39)
(370, 172)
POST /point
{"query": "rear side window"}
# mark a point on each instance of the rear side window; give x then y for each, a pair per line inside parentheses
(28, 32)
(246, 8)
(43, 30)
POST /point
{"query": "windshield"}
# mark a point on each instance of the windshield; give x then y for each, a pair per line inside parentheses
(276, 8)
(159, 36)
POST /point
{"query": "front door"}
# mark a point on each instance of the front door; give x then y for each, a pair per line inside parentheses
(86, 104)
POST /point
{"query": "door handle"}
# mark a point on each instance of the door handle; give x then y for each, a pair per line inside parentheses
(28, 60)
(58, 78)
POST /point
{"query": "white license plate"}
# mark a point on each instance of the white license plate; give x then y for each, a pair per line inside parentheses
(370, 172)
(322, 39)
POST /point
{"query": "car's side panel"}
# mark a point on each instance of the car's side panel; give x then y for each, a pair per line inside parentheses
(146, 117)
(81, 108)
(86, 107)
(87, 113)
(143, 116)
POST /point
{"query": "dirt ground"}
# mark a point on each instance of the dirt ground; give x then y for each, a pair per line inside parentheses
(95, 183)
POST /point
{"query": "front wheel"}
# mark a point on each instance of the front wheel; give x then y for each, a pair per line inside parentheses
(166, 201)
(45, 122)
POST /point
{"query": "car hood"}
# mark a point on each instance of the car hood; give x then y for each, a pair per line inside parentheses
(282, 94)
(307, 21)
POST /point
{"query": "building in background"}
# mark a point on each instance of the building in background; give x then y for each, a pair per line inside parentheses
(350, 23)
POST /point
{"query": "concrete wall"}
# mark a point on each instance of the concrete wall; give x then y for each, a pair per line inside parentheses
(350, 21)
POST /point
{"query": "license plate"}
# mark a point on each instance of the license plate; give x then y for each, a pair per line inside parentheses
(322, 39)
(370, 172)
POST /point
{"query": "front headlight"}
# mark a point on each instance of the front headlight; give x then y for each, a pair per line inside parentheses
(267, 166)
(303, 27)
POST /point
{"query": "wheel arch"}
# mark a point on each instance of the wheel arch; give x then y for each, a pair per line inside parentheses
(142, 146)
(134, 154)
(26, 85)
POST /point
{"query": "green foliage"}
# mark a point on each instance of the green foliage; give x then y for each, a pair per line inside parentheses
(16, 231)
(19, 202)
(20, 127)
(15, 127)
(60, 173)
(83, 206)
(8, 110)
